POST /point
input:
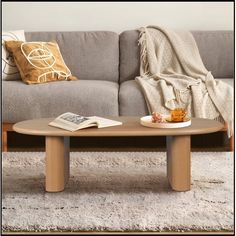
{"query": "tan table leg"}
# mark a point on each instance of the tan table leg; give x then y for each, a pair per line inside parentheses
(178, 162)
(4, 141)
(57, 163)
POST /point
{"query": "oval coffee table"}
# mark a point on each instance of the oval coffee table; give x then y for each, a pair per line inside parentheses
(58, 150)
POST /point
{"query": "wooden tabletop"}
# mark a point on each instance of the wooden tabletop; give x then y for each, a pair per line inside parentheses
(131, 127)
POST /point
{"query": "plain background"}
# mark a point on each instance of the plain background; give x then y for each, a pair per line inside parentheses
(116, 16)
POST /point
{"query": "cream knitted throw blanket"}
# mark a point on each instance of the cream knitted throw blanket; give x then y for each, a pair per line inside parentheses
(172, 75)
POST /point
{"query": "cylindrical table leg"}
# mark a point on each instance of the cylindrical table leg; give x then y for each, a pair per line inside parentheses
(67, 158)
(57, 163)
(4, 141)
(178, 162)
(231, 143)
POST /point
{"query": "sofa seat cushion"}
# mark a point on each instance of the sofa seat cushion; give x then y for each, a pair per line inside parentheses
(131, 99)
(85, 97)
(132, 102)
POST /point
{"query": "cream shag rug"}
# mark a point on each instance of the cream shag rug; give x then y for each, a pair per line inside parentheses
(118, 191)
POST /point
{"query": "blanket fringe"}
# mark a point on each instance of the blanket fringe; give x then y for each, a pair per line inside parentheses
(220, 119)
(142, 42)
(230, 128)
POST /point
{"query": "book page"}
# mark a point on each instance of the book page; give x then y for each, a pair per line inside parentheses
(73, 118)
(59, 124)
(72, 122)
(103, 122)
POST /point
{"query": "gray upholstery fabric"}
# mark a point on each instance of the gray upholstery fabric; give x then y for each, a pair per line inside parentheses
(129, 55)
(132, 102)
(216, 49)
(89, 55)
(85, 97)
(94, 58)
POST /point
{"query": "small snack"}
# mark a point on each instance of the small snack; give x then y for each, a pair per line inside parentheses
(157, 118)
(178, 115)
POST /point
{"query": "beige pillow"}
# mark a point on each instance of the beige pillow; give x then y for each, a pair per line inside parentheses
(39, 62)
(9, 68)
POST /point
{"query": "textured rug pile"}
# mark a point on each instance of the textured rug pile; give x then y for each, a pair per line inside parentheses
(117, 191)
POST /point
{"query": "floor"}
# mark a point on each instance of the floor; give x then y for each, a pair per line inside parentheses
(210, 142)
(125, 233)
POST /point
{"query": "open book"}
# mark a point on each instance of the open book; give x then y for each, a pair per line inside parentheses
(72, 122)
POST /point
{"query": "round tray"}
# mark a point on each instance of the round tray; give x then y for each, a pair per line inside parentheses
(147, 121)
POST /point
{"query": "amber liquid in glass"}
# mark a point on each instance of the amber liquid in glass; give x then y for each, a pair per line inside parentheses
(178, 114)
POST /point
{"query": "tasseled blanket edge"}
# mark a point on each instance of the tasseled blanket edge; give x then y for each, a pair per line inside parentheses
(229, 125)
(142, 42)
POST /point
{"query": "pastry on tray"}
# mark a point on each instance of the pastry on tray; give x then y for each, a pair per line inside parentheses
(157, 118)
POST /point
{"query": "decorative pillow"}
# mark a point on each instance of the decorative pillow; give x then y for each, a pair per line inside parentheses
(39, 62)
(9, 68)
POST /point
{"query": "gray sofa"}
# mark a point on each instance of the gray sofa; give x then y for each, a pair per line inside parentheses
(106, 64)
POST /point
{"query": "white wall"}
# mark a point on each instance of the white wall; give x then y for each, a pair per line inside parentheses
(116, 16)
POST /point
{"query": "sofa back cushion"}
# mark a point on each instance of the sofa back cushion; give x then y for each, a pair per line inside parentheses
(89, 55)
(216, 49)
